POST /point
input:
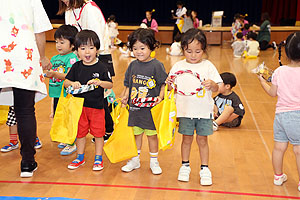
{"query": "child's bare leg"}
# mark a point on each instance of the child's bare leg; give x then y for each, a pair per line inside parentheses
(139, 141)
(99, 142)
(226, 116)
(80, 145)
(296, 149)
(153, 143)
(203, 149)
(52, 110)
(186, 146)
(277, 156)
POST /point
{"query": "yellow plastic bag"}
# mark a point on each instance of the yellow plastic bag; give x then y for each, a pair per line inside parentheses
(180, 25)
(121, 144)
(115, 113)
(65, 122)
(3, 114)
(164, 118)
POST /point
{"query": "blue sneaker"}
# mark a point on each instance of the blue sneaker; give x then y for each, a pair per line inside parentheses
(69, 149)
(9, 147)
(61, 145)
(38, 143)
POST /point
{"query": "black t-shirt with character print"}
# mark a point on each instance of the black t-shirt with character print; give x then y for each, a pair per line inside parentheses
(84, 73)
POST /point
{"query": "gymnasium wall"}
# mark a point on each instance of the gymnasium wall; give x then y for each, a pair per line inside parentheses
(131, 12)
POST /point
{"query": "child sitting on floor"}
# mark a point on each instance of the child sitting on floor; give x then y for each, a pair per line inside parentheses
(228, 109)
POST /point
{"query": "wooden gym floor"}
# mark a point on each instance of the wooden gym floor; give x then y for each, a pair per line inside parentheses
(240, 158)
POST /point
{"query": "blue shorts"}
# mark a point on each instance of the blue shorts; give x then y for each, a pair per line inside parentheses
(203, 127)
(287, 127)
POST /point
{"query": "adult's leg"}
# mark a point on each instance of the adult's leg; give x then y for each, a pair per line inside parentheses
(25, 114)
(109, 124)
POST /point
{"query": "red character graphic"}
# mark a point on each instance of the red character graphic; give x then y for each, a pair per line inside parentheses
(42, 78)
(14, 31)
(27, 72)
(9, 48)
(8, 67)
(29, 53)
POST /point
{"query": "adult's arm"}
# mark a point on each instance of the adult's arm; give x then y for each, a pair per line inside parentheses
(41, 44)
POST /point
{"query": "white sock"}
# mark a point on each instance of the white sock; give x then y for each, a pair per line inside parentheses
(153, 157)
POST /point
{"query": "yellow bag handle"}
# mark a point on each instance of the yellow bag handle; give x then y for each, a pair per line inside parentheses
(166, 95)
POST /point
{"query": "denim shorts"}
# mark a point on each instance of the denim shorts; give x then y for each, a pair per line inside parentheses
(203, 127)
(287, 127)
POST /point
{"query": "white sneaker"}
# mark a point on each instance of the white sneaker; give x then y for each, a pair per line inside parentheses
(133, 163)
(215, 126)
(69, 149)
(299, 186)
(184, 173)
(155, 168)
(205, 176)
(278, 180)
(274, 45)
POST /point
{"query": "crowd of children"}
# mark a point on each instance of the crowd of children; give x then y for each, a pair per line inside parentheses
(146, 77)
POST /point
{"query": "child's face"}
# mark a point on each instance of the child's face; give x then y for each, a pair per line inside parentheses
(63, 46)
(193, 53)
(141, 51)
(148, 15)
(88, 54)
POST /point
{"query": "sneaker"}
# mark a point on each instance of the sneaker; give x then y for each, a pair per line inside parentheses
(274, 45)
(133, 163)
(93, 140)
(75, 164)
(106, 137)
(69, 149)
(184, 173)
(27, 169)
(278, 180)
(205, 176)
(9, 147)
(38, 143)
(215, 126)
(155, 168)
(61, 145)
(299, 186)
(98, 165)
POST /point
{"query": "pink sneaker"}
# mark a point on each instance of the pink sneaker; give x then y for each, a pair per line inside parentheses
(75, 164)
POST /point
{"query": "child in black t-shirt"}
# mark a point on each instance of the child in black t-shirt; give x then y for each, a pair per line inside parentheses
(229, 109)
(89, 71)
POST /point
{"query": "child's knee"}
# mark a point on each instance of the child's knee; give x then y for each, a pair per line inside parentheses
(202, 140)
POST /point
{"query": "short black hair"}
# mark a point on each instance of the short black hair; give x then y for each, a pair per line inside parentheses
(252, 35)
(179, 3)
(246, 26)
(239, 35)
(145, 36)
(292, 46)
(87, 36)
(191, 35)
(177, 37)
(67, 32)
(228, 78)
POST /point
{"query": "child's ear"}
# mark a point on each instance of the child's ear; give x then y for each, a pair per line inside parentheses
(227, 86)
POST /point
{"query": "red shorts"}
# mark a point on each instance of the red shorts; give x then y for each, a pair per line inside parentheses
(92, 120)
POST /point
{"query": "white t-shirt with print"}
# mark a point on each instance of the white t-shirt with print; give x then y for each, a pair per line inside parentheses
(19, 55)
(180, 12)
(201, 104)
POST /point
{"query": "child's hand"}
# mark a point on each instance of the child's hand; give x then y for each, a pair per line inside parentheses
(50, 73)
(76, 85)
(124, 100)
(208, 84)
(94, 82)
(158, 100)
(170, 80)
(261, 78)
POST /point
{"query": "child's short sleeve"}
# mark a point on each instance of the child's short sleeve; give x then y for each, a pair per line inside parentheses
(73, 59)
(274, 77)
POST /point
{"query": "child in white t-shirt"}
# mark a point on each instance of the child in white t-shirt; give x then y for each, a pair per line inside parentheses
(175, 49)
(196, 79)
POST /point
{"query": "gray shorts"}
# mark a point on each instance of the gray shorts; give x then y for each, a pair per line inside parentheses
(203, 127)
(287, 127)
